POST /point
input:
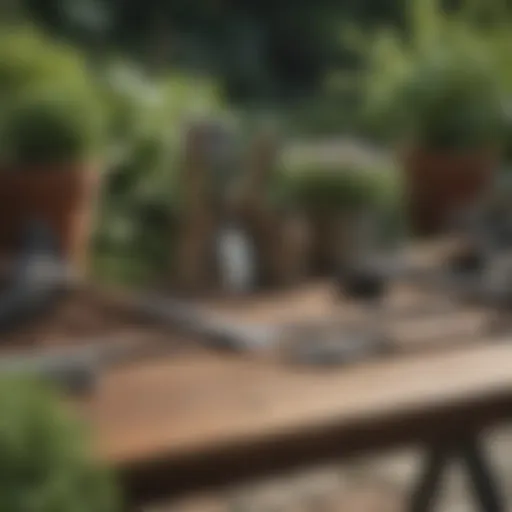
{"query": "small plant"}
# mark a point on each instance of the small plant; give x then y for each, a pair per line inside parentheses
(45, 461)
(49, 104)
(50, 127)
(28, 57)
(333, 189)
(448, 102)
(440, 84)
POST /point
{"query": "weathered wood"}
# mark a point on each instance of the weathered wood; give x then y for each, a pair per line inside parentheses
(177, 425)
(197, 223)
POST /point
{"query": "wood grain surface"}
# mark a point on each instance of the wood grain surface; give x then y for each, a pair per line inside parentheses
(187, 405)
(199, 418)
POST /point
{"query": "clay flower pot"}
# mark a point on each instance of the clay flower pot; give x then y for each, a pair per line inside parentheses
(63, 196)
(439, 183)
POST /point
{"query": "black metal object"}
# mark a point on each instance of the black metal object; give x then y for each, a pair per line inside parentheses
(362, 283)
(467, 451)
(468, 262)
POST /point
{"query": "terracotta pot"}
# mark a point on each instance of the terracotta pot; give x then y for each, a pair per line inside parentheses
(437, 184)
(63, 196)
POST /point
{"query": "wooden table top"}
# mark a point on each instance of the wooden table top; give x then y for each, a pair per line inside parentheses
(185, 405)
(203, 418)
(191, 415)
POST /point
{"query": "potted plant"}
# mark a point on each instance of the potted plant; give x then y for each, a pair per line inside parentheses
(451, 114)
(48, 170)
(51, 127)
(437, 90)
(328, 196)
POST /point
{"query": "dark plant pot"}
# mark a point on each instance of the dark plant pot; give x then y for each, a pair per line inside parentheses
(438, 183)
(63, 196)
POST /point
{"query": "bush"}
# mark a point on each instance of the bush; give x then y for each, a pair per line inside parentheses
(49, 106)
(137, 218)
(50, 127)
(45, 462)
(440, 84)
(451, 102)
(28, 57)
(332, 189)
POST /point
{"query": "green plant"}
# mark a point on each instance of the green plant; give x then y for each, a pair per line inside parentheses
(136, 231)
(449, 102)
(441, 83)
(46, 464)
(51, 127)
(331, 189)
(28, 57)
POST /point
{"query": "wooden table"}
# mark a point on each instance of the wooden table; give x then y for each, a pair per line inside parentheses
(201, 419)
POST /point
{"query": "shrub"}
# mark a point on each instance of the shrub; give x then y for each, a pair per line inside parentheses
(332, 189)
(451, 102)
(136, 229)
(45, 462)
(49, 107)
(28, 57)
(441, 83)
(329, 190)
(51, 126)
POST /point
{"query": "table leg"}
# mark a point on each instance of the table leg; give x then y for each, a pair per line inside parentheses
(483, 484)
(423, 497)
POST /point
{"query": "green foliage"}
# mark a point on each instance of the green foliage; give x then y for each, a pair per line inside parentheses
(50, 127)
(46, 464)
(140, 104)
(28, 57)
(139, 214)
(451, 102)
(331, 189)
(335, 110)
(49, 108)
(442, 83)
(137, 217)
(260, 49)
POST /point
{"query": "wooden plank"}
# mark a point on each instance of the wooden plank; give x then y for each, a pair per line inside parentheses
(200, 418)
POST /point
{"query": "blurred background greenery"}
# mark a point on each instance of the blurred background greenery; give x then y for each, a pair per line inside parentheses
(369, 70)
